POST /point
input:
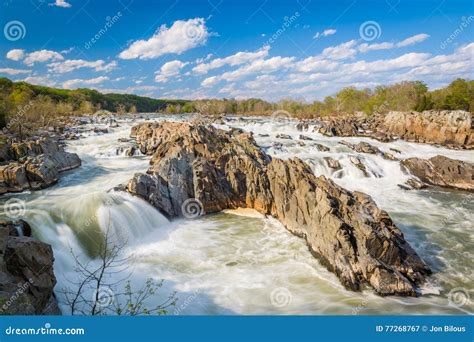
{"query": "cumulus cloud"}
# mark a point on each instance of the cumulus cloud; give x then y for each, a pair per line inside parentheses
(418, 38)
(42, 56)
(341, 51)
(16, 54)
(74, 83)
(232, 60)
(180, 37)
(10, 71)
(325, 33)
(413, 40)
(256, 67)
(74, 64)
(61, 3)
(168, 70)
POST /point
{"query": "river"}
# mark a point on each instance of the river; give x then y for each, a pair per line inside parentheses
(239, 262)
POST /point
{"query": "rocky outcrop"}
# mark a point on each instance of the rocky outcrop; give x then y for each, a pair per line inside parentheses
(452, 129)
(33, 165)
(214, 170)
(26, 272)
(364, 147)
(442, 171)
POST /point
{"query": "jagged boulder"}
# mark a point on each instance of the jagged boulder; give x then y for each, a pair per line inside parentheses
(26, 272)
(34, 165)
(442, 171)
(226, 169)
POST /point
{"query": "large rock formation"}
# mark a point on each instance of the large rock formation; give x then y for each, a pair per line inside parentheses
(33, 164)
(219, 169)
(26, 272)
(449, 128)
(442, 171)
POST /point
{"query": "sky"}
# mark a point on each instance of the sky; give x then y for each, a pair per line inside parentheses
(270, 49)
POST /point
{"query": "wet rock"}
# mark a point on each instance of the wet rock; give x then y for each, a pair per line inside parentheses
(284, 136)
(26, 273)
(218, 170)
(357, 162)
(442, 171)
(302, 126)
(304, 137)
(35, 165)
(395, 150)
(333, 163)
(321, 148)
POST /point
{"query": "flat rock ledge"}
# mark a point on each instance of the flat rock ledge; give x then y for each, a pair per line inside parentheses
(220, 169)
(26, 272)
(442, 171)
(33, 165)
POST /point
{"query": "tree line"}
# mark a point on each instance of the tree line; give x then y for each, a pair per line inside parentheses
(40, 105)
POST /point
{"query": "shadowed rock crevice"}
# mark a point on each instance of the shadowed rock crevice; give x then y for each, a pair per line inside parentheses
(221, 169)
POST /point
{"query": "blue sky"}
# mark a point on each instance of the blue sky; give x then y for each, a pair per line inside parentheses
(303, 49)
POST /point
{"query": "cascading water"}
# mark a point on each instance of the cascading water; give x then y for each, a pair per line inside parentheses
(239, 262)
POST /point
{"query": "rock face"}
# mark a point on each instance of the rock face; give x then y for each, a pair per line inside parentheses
(449, 128)
(219, 169)
(33, 165)
(442, 171)
(26, 273)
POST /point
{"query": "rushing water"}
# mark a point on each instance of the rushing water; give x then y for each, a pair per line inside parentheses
(240, 262)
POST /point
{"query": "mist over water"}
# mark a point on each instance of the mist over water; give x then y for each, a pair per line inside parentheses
(239, 262)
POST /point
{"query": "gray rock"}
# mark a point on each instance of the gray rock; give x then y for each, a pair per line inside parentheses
(218, 170)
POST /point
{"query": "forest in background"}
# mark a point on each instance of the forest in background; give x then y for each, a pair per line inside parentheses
(39, 104)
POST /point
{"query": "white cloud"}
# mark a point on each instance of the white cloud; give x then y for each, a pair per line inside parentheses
(325, 33)
(81, 82)
(42, 56)
(387, 45)
(377, 46)
(16, 54)
(61, 3)
(232, 60)
(256, 67)
(413, 40)
(168, 70)
(180, 37)
(10, 71)
(40, 80)
(341, 51)
(74, 64)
